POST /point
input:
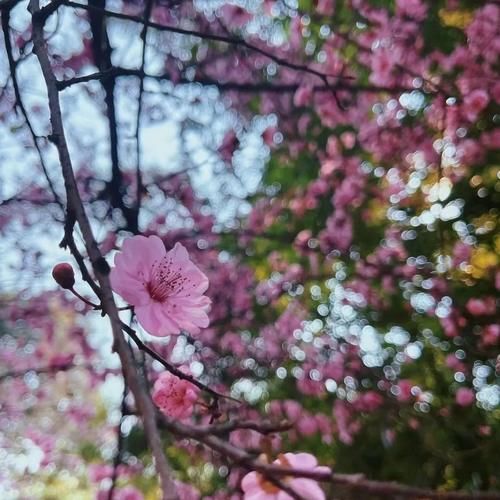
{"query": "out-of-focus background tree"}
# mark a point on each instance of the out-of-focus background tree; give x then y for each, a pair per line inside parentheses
(332, 166)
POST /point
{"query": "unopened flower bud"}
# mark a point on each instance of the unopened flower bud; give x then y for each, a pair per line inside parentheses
(64, 275)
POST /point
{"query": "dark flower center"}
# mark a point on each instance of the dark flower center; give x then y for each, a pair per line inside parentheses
(165, 280)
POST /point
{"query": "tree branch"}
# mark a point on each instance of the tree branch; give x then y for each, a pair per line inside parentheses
(138, 175)
(20, 105)
(102, 57)
(119, 442)
(353, 482)
(243, 87)
(230, 40)
(142, 398)
(64, 367)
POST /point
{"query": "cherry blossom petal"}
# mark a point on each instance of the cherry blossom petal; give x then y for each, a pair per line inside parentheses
(250, 483)
(129, 288)
(308, 488)
(301, 460)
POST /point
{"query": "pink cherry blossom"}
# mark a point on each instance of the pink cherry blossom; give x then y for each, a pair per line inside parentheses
(98, 472)
(404, 390)
(484, 430)
(461, 253)
(382, 65)
(481, 307)
(165, 288)
(338, 232)
(229, 145)
(346, 426)
(236, 15)
(302, 96)
(129, 493)
(174, 397)
(268, 136)
(465, 396)
(292, 409)
(186, 491)
(307, 425)
(256, 487)
(325, 7)
(454, 363)
(368, 401)
(474, 103)
(491, 335)
(414, 9)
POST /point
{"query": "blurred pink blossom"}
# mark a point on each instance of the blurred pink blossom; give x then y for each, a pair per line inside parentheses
(229, 145)
(235, 15)
(474, 103)
(368, 401)
(186, 491)
(325, 7)
(481, 307)
(404, 390)
(491, 335)
(414, 9)
(465, 396)
(302, 96)
(175, 397)
(128, 493)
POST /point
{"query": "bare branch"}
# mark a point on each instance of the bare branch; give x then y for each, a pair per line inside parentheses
(101, 268)
(20, 105)
(119, 442)
(138, 175)
(230, 40)
(63, 367)
(352, 482)
(233, 425)
(244, 87)
(102, 57)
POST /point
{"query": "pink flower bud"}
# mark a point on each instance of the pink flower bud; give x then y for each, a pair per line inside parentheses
(64, 275)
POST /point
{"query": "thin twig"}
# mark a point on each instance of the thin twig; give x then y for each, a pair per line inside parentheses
(138, 174)
(20, 104)
(172, 369)
(230, 40)
(244, 87)
(63, 367)
(119, 441)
